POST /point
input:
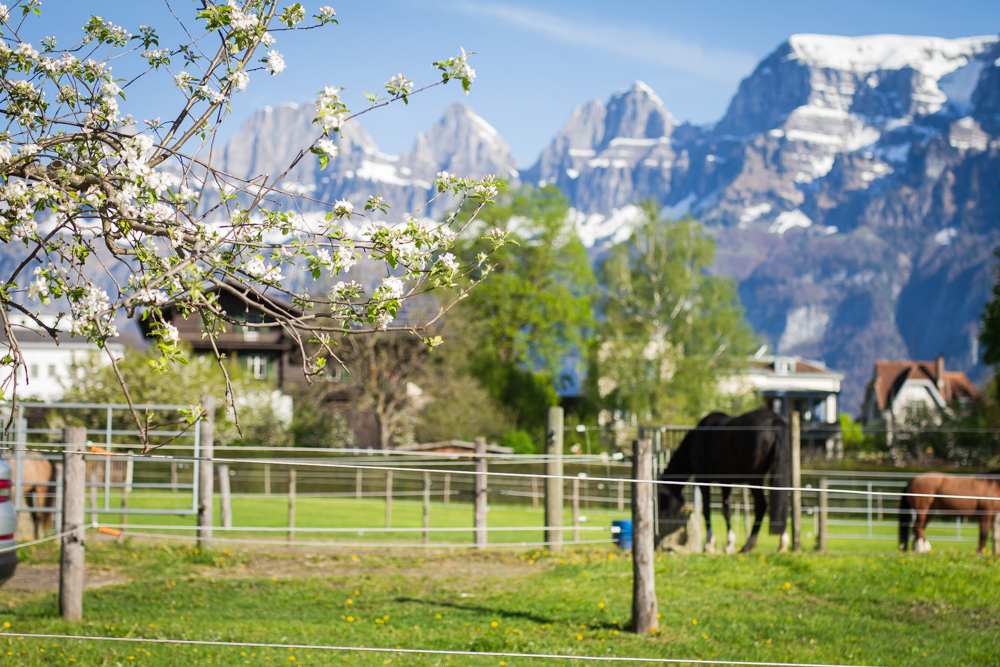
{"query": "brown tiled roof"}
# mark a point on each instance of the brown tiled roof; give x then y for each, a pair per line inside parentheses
(891, 375)
(800, 366)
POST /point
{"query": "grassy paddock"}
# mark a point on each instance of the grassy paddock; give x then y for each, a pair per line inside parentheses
(258, 510)
(846, 608)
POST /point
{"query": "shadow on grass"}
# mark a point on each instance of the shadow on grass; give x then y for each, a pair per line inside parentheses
(528, 616)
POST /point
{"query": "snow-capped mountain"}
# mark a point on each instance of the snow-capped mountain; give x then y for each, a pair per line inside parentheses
(852, 185)
(461, 142)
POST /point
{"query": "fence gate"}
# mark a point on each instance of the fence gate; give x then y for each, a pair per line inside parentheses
(115, 470)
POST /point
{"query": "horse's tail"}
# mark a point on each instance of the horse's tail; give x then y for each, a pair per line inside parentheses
(780, 477)
(905, 517)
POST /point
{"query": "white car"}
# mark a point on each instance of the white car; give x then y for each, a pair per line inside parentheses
(8, 524)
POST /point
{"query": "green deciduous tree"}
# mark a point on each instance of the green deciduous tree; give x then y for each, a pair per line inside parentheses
(536, 307)
(671, 329)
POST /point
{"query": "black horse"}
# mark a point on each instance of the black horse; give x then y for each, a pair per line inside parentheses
(734, 450)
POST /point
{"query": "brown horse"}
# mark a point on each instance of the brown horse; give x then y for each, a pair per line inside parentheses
(37, 471)
(937, 485)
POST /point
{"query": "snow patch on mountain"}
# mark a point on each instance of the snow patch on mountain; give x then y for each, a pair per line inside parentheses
(931, 56)
(790, 220)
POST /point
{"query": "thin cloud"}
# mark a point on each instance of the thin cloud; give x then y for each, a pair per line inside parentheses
(637, 43)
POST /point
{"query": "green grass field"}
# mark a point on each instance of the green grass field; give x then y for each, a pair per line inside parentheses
(260, 511)
(841, 608)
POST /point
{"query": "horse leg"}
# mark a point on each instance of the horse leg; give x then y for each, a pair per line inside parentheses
(985, 519)
(30, 501)
(706, 509)
(727, 513)
(760, 509)
(920, 543)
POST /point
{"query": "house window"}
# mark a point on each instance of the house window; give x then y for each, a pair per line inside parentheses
(257, 367)
(33, 371)
(251, 334)
(52, 370)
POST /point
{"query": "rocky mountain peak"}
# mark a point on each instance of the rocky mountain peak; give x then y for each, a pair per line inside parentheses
(879, 78)
(636, 113)
(461, 143)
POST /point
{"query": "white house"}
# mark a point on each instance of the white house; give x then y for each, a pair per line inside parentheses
(49, 364)
(899, 388)
(807, 386)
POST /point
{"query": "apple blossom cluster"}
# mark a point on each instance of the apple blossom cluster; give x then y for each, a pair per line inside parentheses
(92, 195)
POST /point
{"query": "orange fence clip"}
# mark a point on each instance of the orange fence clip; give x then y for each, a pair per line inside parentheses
(94, 449)
(109, 531)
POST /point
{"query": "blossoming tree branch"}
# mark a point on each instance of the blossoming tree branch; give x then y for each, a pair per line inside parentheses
(89, 191)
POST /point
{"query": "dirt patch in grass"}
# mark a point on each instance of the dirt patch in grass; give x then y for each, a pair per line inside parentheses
(461, 567)
(43, 577)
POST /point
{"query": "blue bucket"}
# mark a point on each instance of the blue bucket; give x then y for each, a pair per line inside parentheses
(621, 534)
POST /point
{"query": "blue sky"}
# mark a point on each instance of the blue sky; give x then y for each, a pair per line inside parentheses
(535, 60)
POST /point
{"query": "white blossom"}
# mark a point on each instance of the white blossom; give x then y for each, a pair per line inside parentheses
(5, 152)
(182, 79)
(267, 39)
(330, 112)
(265, 272)
(342, 207)
(26, 50)
(26, 229)
(449, 262)
(275, 62)
(213, 95)
(345, 259)
(327, 12)
(392, 288)
(240, 80)
(239, 19)
(327, 147)
(169, 334)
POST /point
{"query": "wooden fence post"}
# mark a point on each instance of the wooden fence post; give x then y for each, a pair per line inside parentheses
(206, 476)
(59, 494)
(267, 479)
(643, 539)
(554, 482)
(93, 495)
(479, 519)
(71, 560)
(127, 489)
(447, 488)
(224, 496)
(621, 495)
(388, 498)
(534, 492)
(427, 507)
(824, 501)
(796, 445)
(576, 509)
(358, 484)
(291, 504)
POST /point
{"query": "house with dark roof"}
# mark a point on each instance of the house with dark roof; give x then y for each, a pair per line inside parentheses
(899, 388)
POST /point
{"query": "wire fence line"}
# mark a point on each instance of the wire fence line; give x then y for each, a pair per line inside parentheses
(364, 545)
(418, 651)
(515, 475)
